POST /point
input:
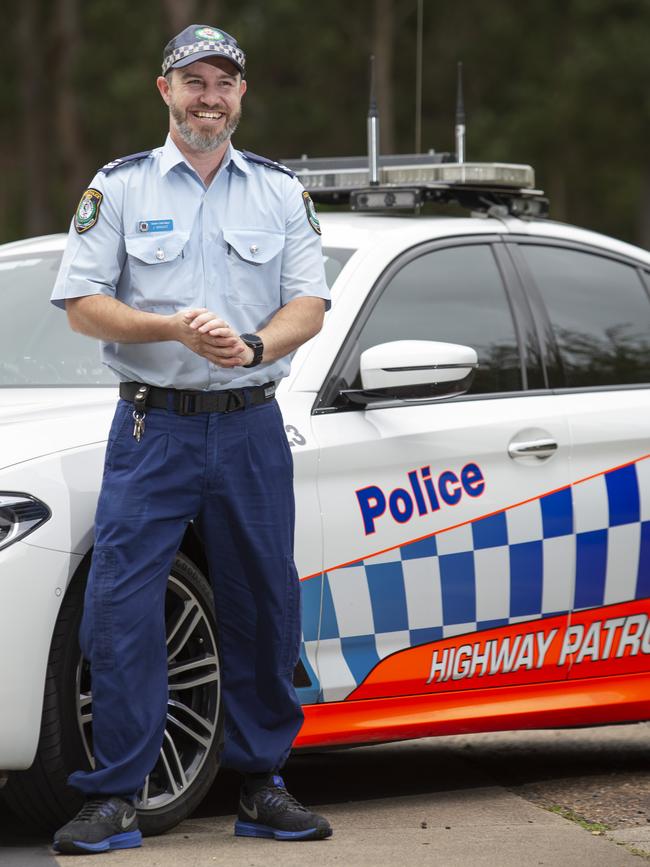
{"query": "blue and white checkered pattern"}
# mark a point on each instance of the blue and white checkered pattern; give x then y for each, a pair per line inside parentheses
(226, 48)
(581, 547)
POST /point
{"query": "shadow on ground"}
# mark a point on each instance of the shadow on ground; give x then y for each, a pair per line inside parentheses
(602, 774)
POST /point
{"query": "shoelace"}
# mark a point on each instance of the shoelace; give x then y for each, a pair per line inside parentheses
(96, 809)
(275, 797)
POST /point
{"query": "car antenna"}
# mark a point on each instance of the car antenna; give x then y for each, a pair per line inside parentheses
(373, 130)
(460, 117)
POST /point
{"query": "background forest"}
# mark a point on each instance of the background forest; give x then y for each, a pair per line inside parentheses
(561, 84)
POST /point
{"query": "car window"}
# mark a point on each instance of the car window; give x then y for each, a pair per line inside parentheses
(599, 312)
(334, 258)
(37, 346)
(454, 295)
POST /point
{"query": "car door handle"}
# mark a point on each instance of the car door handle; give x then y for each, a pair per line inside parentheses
(542, 449)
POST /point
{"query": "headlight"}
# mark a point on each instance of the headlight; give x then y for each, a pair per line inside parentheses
(20, 514)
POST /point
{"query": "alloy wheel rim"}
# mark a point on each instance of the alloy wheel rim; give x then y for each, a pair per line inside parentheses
(193, 705)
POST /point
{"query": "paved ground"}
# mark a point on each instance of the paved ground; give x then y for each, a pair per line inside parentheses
(579, 798)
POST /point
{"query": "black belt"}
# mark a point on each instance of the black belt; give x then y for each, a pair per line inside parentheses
(192, 402)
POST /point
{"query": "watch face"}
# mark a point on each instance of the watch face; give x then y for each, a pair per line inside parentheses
(256, 344)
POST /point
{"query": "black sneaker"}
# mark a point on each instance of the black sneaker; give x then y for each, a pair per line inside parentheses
(272, 812)
(100, 825)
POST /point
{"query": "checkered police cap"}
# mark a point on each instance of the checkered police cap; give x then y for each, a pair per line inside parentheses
(198, 41)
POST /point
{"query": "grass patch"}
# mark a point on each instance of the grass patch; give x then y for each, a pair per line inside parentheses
(636, 851)
(639, 852)
(572, 816)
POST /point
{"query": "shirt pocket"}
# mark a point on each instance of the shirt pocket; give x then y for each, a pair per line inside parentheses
(156, 265)
(254, 262)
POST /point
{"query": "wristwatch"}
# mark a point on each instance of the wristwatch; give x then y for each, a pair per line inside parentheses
(256, 344)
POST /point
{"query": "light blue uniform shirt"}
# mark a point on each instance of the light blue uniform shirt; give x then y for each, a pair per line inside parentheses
(242, 247)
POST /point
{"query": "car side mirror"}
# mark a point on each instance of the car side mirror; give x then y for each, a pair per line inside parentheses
(407, 370)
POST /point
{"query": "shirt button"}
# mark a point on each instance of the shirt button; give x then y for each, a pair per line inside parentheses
(160, 254)
(254, 249)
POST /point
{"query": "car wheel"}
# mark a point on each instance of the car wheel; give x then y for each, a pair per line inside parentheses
(189, 758)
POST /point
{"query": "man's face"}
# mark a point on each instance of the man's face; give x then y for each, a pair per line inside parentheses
(204, 102)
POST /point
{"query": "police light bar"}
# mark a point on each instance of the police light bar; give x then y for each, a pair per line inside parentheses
(406, 182)
(349, 173)
(488, 174)
(512, 176)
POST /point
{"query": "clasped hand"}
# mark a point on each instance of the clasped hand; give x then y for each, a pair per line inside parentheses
(213, 338)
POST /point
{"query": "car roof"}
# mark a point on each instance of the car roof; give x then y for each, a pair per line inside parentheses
(352, 230)
(40, 244)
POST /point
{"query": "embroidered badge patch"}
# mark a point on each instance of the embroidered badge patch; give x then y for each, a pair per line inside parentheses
(311, 213)
(208, 33)
(87, 212)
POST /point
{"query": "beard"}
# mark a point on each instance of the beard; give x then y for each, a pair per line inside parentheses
(207, 141)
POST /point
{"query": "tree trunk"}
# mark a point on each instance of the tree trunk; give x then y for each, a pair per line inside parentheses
(557, 193)
(180, 14)
(209, 12)
(66, 43)
(644, 211)
(34, 121)
(382, 47)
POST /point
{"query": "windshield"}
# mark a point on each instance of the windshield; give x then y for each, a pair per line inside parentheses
(37, 346)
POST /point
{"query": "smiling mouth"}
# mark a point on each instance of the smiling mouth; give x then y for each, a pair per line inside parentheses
(208, 115)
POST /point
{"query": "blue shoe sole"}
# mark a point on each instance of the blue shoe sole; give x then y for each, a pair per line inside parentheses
(128, 840)
(251, 829)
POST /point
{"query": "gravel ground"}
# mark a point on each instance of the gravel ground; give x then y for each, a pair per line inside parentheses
(602, 775)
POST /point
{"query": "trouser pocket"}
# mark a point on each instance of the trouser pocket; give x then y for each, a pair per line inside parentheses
(103, 575)
(292, 620)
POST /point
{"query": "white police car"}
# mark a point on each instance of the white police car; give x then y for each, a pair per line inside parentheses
(474, 543)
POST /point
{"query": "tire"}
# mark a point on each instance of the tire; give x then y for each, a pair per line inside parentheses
(194, 732)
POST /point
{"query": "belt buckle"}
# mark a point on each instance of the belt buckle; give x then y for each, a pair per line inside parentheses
(187, 403)
(235, 401)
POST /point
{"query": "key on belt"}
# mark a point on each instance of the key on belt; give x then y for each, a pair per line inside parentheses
(139, 415)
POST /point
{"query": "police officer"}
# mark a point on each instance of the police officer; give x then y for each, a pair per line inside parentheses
(199, 268)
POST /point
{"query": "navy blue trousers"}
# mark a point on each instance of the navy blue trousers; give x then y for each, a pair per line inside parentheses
(233, 475)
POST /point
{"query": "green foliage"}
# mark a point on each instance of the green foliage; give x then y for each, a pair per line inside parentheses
(560, 84)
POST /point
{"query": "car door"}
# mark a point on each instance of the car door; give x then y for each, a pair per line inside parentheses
(596, 318)
(446, 543)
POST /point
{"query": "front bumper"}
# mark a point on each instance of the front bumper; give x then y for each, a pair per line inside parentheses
(32, 586)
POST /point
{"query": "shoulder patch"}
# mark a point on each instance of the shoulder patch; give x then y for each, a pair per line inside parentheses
(312, 218)
(265, 161)
(87, 212)
(121, 161)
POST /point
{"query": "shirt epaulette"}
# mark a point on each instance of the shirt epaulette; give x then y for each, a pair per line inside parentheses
(264, 161)
(120, 161)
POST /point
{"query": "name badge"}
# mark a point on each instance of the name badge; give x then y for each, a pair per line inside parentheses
(155, 225)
